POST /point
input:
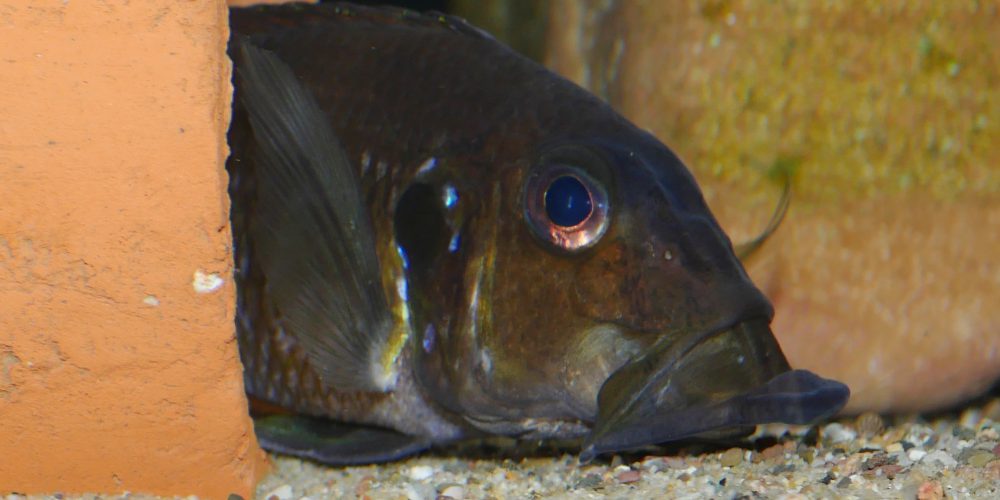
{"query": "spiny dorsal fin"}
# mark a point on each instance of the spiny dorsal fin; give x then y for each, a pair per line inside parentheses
(312, 237)
(266, 18)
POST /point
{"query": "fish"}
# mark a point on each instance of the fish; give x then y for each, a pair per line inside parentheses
(437, 239)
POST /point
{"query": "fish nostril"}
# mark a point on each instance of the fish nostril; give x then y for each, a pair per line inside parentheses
(668, 254)
(660, 253)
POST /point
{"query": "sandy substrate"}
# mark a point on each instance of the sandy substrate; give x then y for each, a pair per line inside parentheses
(955, 455)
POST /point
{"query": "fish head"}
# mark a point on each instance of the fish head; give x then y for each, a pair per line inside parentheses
(596, 296)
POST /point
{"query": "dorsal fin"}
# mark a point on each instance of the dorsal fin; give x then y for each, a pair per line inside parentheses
(312, 236)
(264, 18)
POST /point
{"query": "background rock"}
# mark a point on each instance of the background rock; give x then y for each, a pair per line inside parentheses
(886, 114)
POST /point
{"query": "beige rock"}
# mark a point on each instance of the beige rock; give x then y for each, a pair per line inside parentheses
(886, 272)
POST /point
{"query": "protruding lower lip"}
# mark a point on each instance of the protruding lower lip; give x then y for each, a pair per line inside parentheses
(794, 397)
(668, 394)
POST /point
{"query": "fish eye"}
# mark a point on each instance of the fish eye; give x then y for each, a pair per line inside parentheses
(566, 207)
(568, 202)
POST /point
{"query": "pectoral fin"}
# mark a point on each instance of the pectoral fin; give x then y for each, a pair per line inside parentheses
(312, 236)
(334, 443)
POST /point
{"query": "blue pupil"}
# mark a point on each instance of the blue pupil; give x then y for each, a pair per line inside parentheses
(567, 201)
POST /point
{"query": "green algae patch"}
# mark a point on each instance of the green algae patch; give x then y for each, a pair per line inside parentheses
(868, 98)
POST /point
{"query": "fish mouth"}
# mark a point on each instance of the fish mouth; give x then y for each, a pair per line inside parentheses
(728, 379)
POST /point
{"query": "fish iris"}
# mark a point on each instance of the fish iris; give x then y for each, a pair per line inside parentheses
(568, 202)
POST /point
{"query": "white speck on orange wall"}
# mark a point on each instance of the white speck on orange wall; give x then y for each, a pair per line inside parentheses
(206, 282)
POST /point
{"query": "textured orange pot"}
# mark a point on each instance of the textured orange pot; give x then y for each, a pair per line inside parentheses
(118, 365)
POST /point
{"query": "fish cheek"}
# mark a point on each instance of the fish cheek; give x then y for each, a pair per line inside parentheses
(634, 285)
(536, 328)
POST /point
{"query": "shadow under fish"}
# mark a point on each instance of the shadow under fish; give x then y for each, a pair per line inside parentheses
(438, 239)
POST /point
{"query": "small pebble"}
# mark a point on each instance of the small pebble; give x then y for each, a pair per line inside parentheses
(916, 455)
(452, 492)
(732, 457)
(420, 472)
(363, 485)
(772, 453)
(837, 433)
(890, 471)
(417, 491)
(629, 476)
(920, 435)
(850, 465)
(942, 457)
(930, 490)
(652, 464)
(894, 448)
(980, 458)
(963, 433)
(283, 492)
(590, 481)
(782, 469)
(459, 467)
(991, 471)
(869, 424)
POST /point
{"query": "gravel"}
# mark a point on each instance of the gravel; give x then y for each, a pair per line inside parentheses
(953, 455)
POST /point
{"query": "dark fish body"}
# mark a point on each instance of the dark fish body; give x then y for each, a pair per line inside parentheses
(441, 238)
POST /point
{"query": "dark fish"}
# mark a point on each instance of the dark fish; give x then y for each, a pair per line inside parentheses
(437, 238)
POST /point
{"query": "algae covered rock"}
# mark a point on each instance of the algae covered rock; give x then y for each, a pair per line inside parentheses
(886, 115)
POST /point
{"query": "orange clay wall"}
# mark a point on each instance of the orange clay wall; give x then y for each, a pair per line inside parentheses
(118, 363)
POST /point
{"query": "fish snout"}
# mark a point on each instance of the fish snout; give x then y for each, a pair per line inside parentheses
(708, 384)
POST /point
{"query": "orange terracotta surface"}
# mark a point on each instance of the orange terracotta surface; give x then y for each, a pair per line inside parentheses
(244, 3)
(118, 363)
(886, 272)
